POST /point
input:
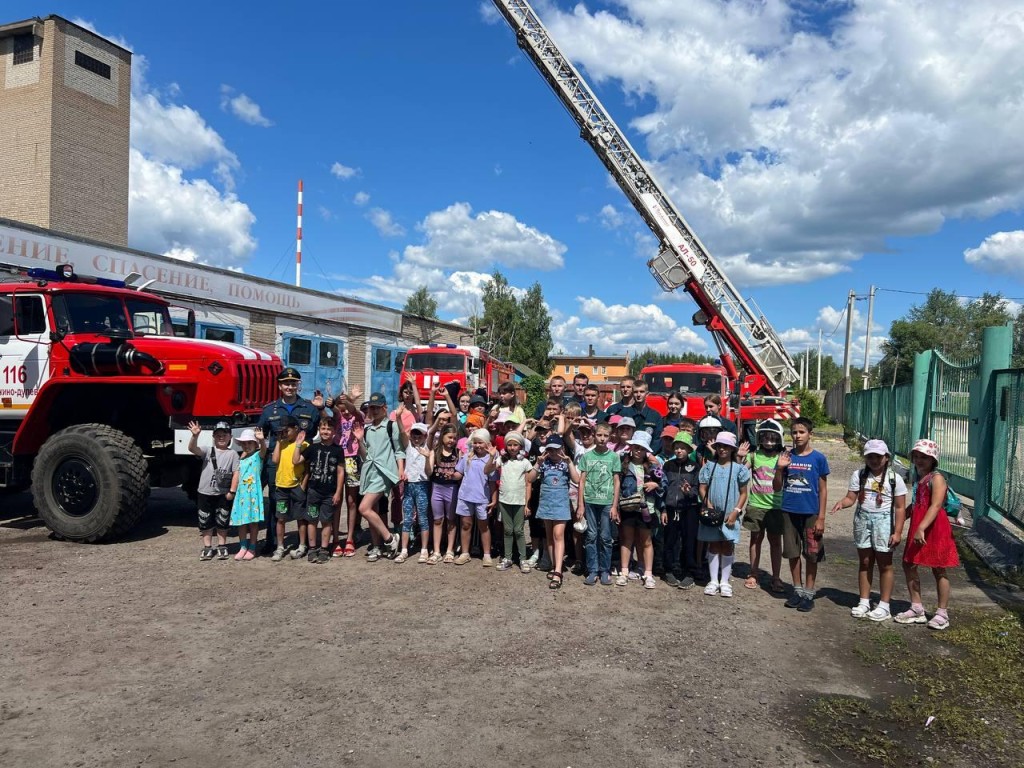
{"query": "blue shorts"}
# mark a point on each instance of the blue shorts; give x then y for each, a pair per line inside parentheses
(871, 530)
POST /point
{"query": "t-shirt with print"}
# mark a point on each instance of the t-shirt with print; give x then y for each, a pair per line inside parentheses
(600, 469)
(322, 463)
(343, 433)
(474, 481)
(800, 488)
(762, 473)
(444, 469)
(512, 489)
(217, 482)
(877, 490)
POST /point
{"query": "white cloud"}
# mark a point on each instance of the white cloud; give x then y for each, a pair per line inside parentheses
(797, 147)
(614, 328)
(385, 223)
(488, 13)
(185, 218)
(361, 198)
(610, 217)
(325, 213)
(455, 238)
(242, 107)
(999, 253)
(343, 171)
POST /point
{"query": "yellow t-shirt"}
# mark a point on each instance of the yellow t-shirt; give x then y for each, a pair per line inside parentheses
(289, 475)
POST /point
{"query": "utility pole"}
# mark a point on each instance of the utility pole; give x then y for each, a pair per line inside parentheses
(802, 363)
(818, 387)
(849, 339)
(867, 337)
(807, 368)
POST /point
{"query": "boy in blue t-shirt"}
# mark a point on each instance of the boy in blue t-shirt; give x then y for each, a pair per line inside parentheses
(801, 473)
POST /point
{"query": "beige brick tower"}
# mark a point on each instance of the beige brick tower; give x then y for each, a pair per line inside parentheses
(65, 107)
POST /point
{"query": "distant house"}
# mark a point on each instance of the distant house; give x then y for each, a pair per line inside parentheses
(598, 368)
(522, 371)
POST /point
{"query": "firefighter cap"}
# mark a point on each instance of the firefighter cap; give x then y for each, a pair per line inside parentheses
(289, 374)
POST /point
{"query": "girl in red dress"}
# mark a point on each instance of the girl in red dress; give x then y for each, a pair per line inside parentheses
(931, 538)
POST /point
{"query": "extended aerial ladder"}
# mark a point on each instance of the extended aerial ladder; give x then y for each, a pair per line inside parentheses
(682, 259)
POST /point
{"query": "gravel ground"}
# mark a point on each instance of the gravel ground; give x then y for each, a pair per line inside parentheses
(136, 653)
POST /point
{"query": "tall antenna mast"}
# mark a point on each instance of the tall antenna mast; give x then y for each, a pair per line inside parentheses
(298, 242)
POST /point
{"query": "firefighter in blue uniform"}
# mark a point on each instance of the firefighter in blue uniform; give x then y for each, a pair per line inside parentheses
(306, 412)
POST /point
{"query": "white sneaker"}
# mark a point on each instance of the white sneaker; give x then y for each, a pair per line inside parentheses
(278, 555)
(879, 614)
(300, 552)
(860, 610)
(621, 580)
(725, 590)
(649, 582)
(711, 588)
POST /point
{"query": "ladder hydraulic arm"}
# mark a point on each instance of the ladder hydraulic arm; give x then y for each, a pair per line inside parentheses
(682, 259)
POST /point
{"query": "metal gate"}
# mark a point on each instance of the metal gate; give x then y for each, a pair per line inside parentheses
(1006, 489)
(949, 393)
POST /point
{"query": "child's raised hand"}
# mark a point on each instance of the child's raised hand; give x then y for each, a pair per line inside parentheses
(743, 450)
(358, 432)
(300, 438)
(785, 459)
(356, 392)
(492, 449)
(258, 433)
(194, 428)
(318, 399)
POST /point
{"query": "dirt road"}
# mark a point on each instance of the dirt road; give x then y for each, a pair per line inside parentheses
(136, 653)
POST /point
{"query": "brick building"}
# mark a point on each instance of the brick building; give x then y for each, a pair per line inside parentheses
(65, 109)
(598, 368)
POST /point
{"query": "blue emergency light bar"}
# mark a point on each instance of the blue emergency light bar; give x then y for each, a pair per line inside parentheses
(66, 273)
(435, 345)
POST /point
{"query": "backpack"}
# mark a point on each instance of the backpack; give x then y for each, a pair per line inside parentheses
(892, 495)
(952, 505)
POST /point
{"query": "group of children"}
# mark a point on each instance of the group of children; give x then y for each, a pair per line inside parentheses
(567, 486)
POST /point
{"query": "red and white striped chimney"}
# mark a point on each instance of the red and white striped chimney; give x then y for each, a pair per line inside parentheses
(298, 242)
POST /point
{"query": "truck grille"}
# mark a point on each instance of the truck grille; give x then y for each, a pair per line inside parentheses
(257, 384)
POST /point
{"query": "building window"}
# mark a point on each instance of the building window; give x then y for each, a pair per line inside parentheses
(593, 370)
(382, 361)
(604, 370)
(567, 369)
(24, 48)
(93, 65)
(300, 351)
(575, 369)
(328, 354)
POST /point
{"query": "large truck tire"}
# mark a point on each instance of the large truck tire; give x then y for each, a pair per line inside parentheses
(90, 482)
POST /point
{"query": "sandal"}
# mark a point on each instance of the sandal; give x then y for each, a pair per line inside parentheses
(778, 587)
(938, 621)
(350, 548)
(434, 559)
(751, 582)
(449, 558)
(556, 580)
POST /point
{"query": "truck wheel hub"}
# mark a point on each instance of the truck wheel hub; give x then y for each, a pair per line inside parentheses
(74, 486)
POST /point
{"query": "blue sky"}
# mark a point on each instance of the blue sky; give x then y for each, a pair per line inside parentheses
(814, 147)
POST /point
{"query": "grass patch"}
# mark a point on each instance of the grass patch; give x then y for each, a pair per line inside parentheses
(970, 679)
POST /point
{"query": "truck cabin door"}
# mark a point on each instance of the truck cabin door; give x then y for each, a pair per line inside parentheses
(24, 352)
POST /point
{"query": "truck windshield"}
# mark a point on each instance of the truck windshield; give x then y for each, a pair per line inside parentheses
(683, 383)
(95, 313)
(150, 318)
(434, 361)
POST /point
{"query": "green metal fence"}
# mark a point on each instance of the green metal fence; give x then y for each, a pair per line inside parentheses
(884, 412)
(1006, 478)
(949, 421)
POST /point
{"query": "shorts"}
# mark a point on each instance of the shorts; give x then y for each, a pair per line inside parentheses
(213, 512)
(477, 509)
(798, 537)
(442, 501)
(352, 467)
(636, 520)
(871, 530)
(289, 503)
(318, 508)
(768, 520)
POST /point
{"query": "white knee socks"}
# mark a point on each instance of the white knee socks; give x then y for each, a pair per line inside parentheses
(713, 558)
(727, 561)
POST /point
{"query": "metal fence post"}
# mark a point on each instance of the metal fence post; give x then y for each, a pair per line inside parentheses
(922, 370)
(996, 351)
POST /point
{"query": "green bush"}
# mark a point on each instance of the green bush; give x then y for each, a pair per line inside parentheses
(811, 407)
(536, 390)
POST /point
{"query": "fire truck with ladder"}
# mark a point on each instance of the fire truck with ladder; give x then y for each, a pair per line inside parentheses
(97, 394)
(753, 360)
(434, 365)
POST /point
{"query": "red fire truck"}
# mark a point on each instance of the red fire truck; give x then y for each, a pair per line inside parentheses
(97, 394)
(435, 365)
(694, 382)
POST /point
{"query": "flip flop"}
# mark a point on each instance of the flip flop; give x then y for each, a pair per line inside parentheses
(778, 587)
(751, 582)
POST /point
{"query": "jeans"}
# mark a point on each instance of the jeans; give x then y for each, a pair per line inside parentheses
(673, 542)
(598, 543)
(688, 560)
(415, 504)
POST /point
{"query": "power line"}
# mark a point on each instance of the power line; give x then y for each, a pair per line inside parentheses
(840, 322)
(926, 293)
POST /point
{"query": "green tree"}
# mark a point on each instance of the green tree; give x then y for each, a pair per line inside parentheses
(639, 360)
(421, 304)
(536, 390)
(943, 322)
(810, 406)
(513, 329)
